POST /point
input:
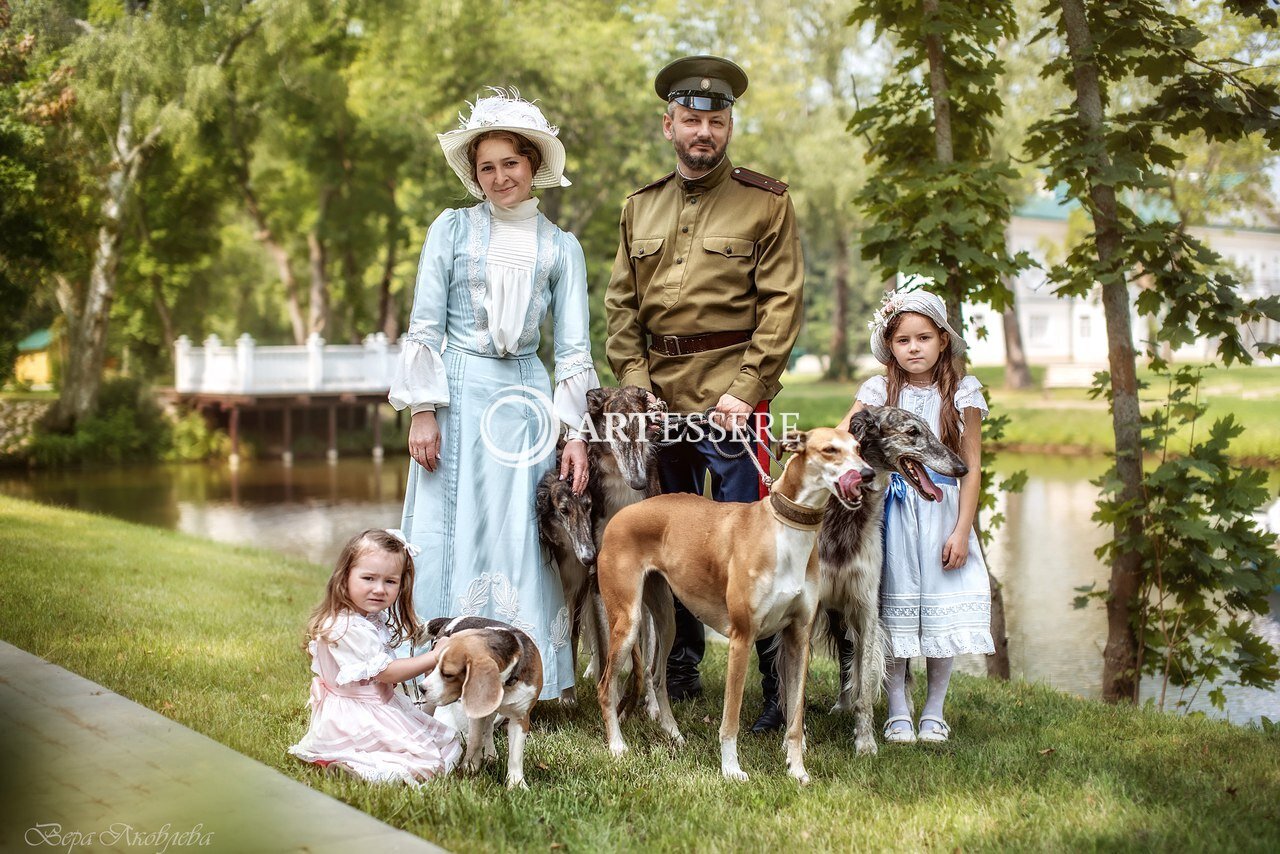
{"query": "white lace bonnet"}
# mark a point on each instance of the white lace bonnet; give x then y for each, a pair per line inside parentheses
(920, 302)
(505, 110)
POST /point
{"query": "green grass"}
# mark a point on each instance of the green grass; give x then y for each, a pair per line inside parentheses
(209, 635)
(1068, 420)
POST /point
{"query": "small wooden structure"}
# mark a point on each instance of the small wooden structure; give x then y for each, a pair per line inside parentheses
(276, 383)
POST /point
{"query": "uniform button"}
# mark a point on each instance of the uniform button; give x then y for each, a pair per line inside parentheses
(728, 249)
(685, 229)
(679, 260)
(693, 200)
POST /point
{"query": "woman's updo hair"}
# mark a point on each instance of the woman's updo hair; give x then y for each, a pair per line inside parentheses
(523, 146)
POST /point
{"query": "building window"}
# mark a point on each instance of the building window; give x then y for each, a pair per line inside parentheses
(1037, 326)
(1086, 326)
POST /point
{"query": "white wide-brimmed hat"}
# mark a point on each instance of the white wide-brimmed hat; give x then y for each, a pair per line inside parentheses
(920, 302)
(505, 110)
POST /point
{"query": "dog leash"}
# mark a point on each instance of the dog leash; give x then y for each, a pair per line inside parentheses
(683, 423)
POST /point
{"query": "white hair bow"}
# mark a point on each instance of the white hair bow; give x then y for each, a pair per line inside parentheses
(413, 550)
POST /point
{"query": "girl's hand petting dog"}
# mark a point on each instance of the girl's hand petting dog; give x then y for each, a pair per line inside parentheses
(573, 461)
(955, 551)
(424, 440)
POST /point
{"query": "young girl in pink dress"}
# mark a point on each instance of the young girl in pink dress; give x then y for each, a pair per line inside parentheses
(358, 721)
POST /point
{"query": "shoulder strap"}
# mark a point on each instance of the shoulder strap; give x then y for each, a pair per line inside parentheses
(758, 180)
(657, 183)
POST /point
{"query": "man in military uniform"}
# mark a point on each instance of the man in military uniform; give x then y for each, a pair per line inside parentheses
(704, 305)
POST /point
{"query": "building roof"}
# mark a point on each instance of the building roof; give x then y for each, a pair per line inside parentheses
(1149, 208)
(36, 341)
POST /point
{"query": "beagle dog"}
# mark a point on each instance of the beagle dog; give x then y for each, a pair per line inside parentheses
(489, 668)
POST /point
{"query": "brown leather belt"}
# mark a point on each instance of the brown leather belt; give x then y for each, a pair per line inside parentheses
(686, 345)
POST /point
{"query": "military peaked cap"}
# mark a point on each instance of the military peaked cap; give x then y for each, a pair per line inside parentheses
(701, 82)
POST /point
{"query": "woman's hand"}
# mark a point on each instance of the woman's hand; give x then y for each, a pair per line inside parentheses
(573, 461)
(955, 551)
(424, 440)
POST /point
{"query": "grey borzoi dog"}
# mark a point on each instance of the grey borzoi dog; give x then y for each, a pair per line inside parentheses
(623, 470)
(851, 551)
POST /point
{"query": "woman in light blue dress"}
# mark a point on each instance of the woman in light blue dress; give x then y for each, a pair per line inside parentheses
(485, 418)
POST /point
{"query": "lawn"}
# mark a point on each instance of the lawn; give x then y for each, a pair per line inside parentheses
(210, 635)
(1068, 420)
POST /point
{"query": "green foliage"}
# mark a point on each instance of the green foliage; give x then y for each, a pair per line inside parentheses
(1207, 569)
(933, 218)
(128, 427)
(191, 439)
(1185, 286)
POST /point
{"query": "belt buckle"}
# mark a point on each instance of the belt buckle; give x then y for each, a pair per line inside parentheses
(672, 344)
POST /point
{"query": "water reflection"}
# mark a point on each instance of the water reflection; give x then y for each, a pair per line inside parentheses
(1044, 551)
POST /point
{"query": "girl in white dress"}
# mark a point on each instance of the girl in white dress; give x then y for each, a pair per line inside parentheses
(358, 721)
(935, 598)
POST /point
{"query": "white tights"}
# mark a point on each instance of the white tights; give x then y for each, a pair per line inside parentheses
(939, 673)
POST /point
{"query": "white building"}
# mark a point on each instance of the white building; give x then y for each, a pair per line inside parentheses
(1072, 330)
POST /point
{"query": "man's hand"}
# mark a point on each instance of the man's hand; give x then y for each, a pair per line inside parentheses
(731, 413)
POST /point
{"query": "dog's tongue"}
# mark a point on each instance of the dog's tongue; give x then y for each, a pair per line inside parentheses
(926, 483)
(850, 482)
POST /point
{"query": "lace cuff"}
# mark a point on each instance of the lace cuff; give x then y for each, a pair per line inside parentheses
(574, 365)
(969, 396)
(874, 392)
(570, 399)
(419, 382)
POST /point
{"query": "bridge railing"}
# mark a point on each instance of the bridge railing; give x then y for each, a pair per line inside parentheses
(247, 368)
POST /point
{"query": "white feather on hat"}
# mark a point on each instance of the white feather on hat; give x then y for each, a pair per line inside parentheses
(919, 302)
(505, 110)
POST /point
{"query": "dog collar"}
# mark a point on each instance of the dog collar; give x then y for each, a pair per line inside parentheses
(795, 515)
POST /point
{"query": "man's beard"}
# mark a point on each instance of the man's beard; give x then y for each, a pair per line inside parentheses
(700, 162)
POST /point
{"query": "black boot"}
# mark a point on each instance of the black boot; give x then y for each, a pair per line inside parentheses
(683, 682)
(772, 718)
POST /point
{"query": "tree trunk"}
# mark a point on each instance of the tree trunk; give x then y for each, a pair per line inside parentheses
(1017, 374)
(944, 150)
(838, 367)
(88, 321)
(1120, 670)
(319, 304)
(387, 320)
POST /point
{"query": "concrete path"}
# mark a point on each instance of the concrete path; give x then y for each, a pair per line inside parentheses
(76, 760)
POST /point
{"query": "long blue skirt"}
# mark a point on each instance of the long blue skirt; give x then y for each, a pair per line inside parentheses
(474, 516)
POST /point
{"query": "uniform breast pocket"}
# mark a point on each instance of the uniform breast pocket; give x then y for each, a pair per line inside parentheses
(735, 250)
(645, 253)
(733, 259)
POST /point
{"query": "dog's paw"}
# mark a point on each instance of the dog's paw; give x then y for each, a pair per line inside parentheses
(517, 783)
(801, 777)
(865, 745)
(617, 748)
(735, 774)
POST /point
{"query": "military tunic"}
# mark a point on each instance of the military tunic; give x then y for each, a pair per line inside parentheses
(709, 255)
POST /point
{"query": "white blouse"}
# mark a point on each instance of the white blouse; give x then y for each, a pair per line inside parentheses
(419, 382)
(926, 402)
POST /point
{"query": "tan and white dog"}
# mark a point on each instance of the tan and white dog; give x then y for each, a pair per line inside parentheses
(489, 668)
(745, 570)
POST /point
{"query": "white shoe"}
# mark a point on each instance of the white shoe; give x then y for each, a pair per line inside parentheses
(936, 734)
(899, 735)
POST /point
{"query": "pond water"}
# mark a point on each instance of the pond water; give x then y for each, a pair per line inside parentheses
(1041, 554)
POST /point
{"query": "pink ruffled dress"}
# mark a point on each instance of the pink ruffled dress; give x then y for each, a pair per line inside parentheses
(364, 726)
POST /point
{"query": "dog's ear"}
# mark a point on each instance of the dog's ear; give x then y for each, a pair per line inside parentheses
(794, 442)
(482, 688)
(596, 398)
(435, 626)
(862, 421)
